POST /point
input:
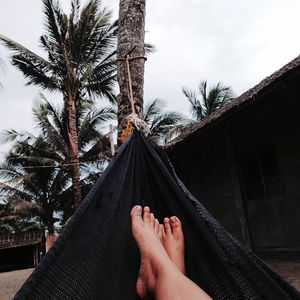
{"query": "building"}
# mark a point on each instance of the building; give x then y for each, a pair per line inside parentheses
(22, 250)
(243, 163)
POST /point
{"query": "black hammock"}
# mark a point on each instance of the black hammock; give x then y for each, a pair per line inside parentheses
(95, 257)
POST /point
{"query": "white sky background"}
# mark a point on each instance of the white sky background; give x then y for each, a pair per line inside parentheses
(235, 42)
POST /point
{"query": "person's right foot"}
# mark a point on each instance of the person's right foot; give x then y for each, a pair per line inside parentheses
(173, 242)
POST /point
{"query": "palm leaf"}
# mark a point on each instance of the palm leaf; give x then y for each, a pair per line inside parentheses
(152, 109)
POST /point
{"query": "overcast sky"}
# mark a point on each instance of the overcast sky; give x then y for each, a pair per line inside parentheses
(235, 42)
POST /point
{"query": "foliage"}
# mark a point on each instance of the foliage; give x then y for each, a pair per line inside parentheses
(210, 100)
(36, 173)
(162, 124)
(80, 63)
(80, 49)
(10, 223)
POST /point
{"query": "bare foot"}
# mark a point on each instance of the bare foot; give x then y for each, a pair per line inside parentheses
(173, 242)
(154, 258)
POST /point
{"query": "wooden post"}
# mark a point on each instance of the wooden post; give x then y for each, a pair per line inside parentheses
(35, 255)
(131, 35)
(238, 197)
(111, 139)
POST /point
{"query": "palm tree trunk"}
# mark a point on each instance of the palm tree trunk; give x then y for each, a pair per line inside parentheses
(74, 152)
(131, 34)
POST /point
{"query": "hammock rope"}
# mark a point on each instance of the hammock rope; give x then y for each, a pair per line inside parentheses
(133, 121)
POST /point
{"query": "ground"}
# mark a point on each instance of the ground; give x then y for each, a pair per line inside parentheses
(10, 282)
(289, 269)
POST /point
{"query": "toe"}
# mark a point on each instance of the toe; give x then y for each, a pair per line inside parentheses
(167, 227)
(152, 220)
(176, 226)
(175, 222)
(146, 215)
(161, 231)
(136, 212)
(156, 226)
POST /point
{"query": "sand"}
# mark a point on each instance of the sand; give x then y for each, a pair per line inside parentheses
(10, 282)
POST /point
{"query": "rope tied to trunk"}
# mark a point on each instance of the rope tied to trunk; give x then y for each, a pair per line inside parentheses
(133, 120)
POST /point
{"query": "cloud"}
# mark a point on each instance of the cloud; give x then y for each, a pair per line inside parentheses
(235, 42)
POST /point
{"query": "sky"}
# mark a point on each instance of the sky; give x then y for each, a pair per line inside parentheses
(237, 43)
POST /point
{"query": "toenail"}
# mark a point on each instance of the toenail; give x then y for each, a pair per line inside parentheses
(138, 208)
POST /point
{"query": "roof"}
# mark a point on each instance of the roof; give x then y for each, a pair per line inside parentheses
(20, 239)
(243, 100)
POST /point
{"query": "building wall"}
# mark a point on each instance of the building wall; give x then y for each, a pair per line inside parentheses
(272, 123)
(266, 133)
(203, 166)
(16, 258)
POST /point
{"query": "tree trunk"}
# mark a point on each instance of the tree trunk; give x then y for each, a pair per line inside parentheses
(74, 153)
(131, 34)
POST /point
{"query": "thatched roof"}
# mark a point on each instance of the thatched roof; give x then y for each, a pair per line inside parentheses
(240, 102)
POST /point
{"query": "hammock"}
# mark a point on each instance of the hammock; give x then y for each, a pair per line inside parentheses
(96, 257)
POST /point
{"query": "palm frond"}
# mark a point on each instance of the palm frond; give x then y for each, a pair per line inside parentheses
(11, 135)
(50, 131)
(54, 16)
(196, 107)
(149, 49)
(211, 99)
(153, 109)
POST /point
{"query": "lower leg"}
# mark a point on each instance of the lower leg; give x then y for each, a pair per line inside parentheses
(173, 285)
(158, 273)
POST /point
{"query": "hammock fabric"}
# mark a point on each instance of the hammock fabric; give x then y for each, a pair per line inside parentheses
(96, 257)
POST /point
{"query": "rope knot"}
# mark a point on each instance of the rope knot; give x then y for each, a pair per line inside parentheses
(133, 121)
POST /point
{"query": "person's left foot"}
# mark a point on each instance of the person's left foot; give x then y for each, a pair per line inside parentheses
(173, 241)
(154, 259)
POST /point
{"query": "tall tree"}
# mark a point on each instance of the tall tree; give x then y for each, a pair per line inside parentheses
(131, 46)
(34, 192)
(36, 170)
(80, 62)
(210, 99)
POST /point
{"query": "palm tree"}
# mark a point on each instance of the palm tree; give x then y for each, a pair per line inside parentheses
(80, 63)
(130, 42)
(38, 169)
(163, 125)
(32, 193)
(210, 99)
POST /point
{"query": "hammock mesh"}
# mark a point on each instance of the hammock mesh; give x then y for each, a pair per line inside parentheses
(96, 257)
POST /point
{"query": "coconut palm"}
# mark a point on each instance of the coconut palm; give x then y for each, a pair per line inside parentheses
(210, 100)
(131, 41)
(32, 193)
(80, 63)
(162, 124)
(37, 171)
